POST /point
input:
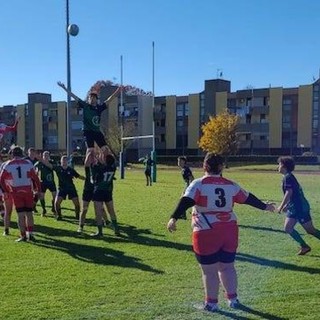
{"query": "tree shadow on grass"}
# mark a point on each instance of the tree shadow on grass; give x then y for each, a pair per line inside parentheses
(275, 264)
(243, 308)
(243, 226)
(92, 254)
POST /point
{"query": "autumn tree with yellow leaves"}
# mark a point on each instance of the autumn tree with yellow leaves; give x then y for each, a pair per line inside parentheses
(219, 134)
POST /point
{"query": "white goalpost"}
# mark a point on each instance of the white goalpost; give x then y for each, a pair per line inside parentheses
(122, 151)
(150, 136)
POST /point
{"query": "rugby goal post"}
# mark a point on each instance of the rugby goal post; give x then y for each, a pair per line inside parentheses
(153, 156)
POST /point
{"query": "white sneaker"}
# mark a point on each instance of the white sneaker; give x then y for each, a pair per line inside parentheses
(211, 307)
(234, 303)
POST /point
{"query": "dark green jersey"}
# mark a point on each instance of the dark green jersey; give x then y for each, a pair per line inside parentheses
(103, 176)
(46, 173)
(65, 177)
(91, 115)
(148, 164)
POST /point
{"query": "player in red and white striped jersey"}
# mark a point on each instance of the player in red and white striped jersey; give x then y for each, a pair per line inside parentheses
(7, 201)
(19, 178)
(215, 229)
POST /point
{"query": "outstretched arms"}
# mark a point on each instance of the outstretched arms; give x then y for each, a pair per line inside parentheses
(62, 85)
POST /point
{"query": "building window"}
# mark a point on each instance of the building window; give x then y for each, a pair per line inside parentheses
(180, 123)
(179, 110)
(248, 118)
(263, 118)
(45, 113)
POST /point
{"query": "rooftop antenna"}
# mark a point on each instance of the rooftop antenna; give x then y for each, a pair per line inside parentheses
(219, 73)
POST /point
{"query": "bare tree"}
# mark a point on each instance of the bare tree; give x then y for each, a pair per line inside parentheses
(113, 135)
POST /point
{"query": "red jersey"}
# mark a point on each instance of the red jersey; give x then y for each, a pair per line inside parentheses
(214, 198)
(18, 175)
(4, 128)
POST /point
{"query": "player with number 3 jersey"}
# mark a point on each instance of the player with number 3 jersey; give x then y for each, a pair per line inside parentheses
(215, 229)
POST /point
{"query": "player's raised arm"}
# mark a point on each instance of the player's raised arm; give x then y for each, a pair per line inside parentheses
(62, 85)
(89, 158)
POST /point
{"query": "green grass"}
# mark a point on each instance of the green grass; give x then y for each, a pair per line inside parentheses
(148, 273)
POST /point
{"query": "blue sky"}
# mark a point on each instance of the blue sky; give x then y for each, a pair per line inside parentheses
(255, 42)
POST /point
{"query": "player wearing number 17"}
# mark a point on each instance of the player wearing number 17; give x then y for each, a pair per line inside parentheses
(19, 178)
(103, 172)
(215, 229)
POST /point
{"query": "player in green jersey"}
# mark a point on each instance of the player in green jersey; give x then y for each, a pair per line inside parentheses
(88, 189)
(103, 175)
(91, 117)
(66, 187)
(44, 167)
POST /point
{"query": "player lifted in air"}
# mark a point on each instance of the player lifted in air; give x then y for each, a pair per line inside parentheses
(91, 117)
(5, 128)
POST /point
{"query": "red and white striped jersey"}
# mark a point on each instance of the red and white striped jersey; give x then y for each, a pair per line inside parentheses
(18, 175)
(214, 198)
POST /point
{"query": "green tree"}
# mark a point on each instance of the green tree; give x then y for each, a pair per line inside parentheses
(219, 134)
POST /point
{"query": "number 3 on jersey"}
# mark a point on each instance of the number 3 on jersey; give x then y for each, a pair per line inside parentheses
(221, 201)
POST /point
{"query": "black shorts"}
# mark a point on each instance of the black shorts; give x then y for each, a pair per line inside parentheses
(71, 193)
(102, 196)
(92, 137)
(301, 217)
(147, 172)
(87, 195)
(48, 186)
(220, 256)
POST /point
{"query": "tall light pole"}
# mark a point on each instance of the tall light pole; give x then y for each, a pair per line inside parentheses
(121, 120)
(72, 30)
(153, 153)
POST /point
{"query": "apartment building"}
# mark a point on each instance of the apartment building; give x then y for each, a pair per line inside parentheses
(273, 120)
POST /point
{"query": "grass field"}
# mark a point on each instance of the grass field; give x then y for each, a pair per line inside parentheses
(148, 273)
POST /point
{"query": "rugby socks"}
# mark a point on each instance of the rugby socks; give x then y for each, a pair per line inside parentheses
(52, 206)
(296, 237)
(317, 234)
(209, 300)
(43, 204)
(115, 226)
(100, 227)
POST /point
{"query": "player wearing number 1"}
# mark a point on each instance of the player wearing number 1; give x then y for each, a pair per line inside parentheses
(215, 229)
(18, 177)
